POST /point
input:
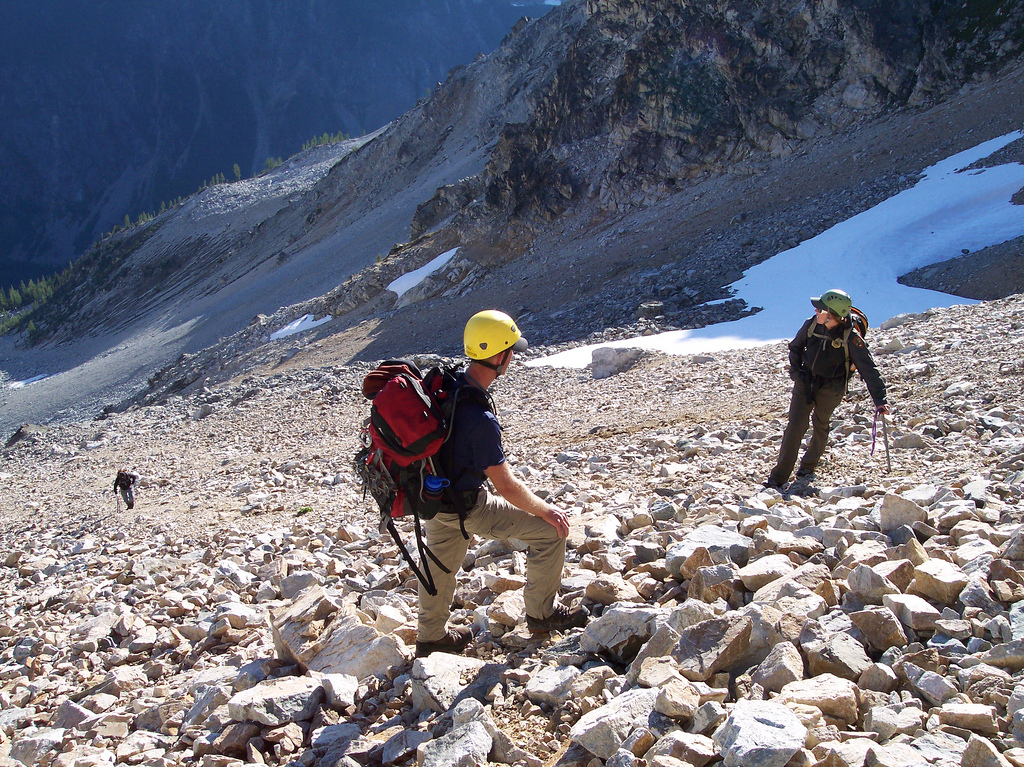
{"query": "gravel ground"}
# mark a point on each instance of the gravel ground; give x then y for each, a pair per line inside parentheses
(265, 457)
(308, 412)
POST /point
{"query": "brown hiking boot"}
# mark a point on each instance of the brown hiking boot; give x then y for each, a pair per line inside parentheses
(454, 642)
(561, 619)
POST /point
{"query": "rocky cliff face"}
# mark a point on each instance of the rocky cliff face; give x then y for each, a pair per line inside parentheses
(110, 110)
(651, 94)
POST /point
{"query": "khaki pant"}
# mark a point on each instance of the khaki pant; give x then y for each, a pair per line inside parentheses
(826, 400)
(491, 517)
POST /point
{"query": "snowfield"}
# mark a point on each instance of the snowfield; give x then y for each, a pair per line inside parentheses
(950, 211)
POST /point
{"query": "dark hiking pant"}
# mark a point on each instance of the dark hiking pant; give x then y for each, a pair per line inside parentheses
(128, 493)
(818, 412)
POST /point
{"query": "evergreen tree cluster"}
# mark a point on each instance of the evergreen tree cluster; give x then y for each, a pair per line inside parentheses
(326, 138)
(18, 303)
(32, 292)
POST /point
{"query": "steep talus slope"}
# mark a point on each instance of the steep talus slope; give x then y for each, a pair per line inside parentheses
(878, 609)
(197, 248)
(331, 210)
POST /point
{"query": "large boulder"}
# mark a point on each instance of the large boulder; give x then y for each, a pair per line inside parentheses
(319, 633)
(712, 646)
(602, 730)
(277, 701)
(760, 734)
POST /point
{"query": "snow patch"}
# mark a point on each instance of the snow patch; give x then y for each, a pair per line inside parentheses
(303, 323)
(946, 212)
(410, 280)
(27, 381)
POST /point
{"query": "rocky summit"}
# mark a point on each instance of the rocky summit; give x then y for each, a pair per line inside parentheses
(247, 611)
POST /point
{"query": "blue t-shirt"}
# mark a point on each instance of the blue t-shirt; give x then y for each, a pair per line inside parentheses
(476, 442)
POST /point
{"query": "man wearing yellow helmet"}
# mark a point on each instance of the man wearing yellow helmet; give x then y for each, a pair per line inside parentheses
(820, 357)
(473, 455)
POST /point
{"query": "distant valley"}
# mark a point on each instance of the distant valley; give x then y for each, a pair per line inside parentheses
(110, 110)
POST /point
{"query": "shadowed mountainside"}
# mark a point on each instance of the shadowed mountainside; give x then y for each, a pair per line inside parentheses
(112, 108)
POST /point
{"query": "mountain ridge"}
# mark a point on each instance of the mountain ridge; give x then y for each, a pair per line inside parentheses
(432, 180)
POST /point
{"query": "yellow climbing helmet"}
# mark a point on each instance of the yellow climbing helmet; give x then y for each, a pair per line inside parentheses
(491, 332)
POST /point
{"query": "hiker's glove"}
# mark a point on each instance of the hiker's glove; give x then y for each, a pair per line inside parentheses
(798, 374)
(882, 410)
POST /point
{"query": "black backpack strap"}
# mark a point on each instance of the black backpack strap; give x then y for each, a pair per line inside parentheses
(426, 553)
(456, 497)
(423, 576)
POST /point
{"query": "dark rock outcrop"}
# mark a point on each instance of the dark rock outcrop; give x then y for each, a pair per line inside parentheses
(653, 93)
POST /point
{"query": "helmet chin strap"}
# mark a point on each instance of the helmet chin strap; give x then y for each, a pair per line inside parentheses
(496, 368)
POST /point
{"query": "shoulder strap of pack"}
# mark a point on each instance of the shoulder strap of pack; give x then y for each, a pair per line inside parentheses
(850, 329)
(421, 571)
(464, 392)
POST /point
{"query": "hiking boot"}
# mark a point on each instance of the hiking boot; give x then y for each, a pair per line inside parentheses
(804, 474)
(561, 619)
(453, 642)
(773, 484)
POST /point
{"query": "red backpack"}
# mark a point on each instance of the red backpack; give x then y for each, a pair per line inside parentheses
(406, 429)
(409, 422)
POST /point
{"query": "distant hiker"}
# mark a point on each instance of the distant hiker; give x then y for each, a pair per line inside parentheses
(821, 356)
(475, 456)
(125, 482)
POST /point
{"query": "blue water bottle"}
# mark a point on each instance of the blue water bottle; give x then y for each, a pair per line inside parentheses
(431, 498)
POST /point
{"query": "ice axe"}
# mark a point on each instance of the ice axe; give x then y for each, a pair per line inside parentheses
(885, 440)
